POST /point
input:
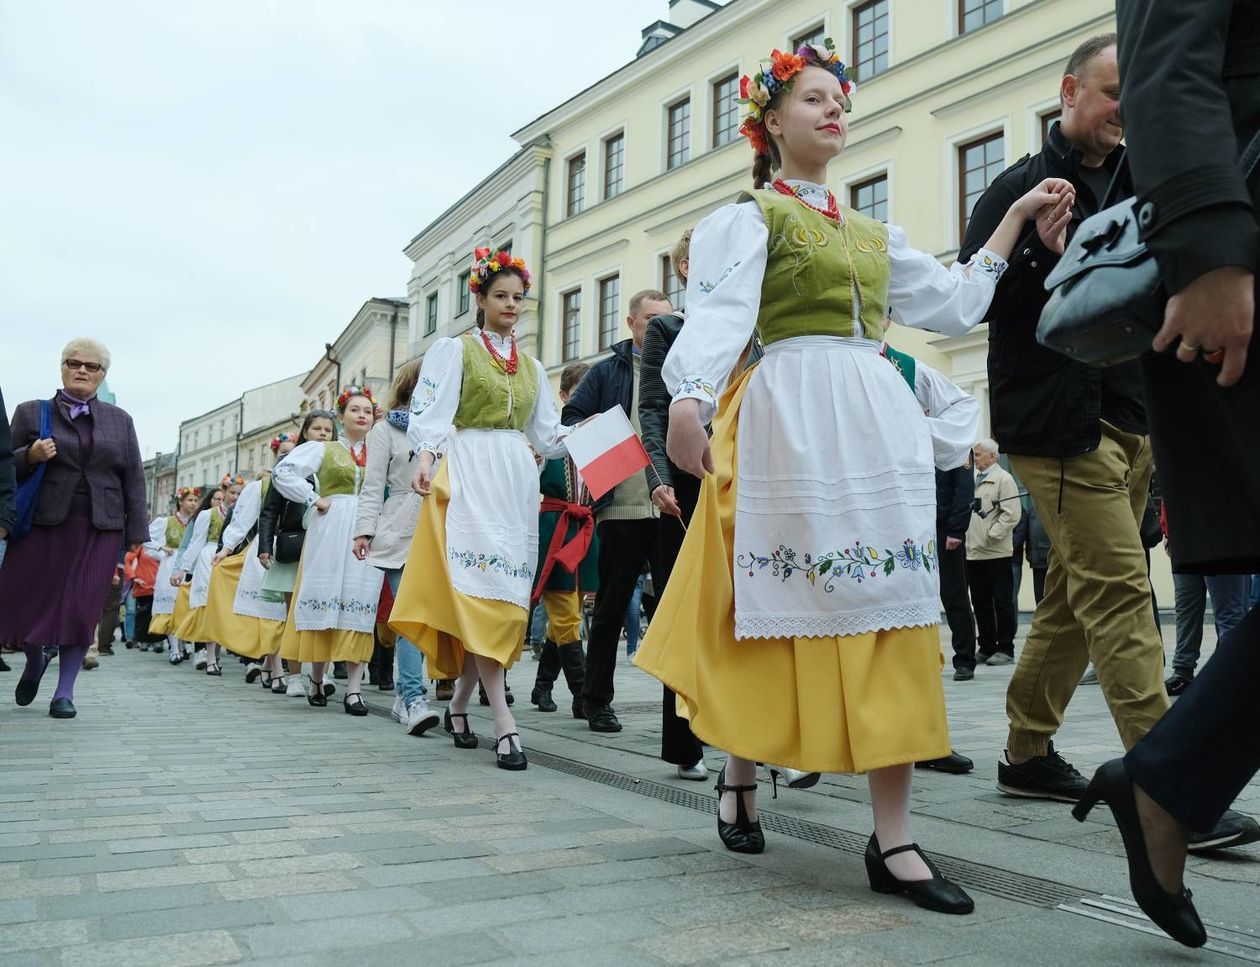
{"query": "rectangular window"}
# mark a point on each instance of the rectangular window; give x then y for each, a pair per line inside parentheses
(725, 110)
(679, 134)
(430, 315)
(979, 162)
(671, 285)
(609, 310)
(1047, 122)
(870, 39)
(614, 165)
(815, 35)
(465, 297)
(571, 313)
(870, 197)
(575, 196)
(973, 14)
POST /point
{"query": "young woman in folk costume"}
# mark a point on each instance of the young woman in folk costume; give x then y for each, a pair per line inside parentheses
(806, 586)
(235, 616)
(196, 556)
(212, 499)
(165, 535)
(465, 592)
(333, 608)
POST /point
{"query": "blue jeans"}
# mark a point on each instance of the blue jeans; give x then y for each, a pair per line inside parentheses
(129, 618)
(4, 543)
(633, 615)
(410, 679)
(1251, 601)
(538, 625)
(1229, 604)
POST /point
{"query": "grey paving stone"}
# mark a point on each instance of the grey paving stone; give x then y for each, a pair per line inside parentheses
(199, 949)
(647, 849)
(423, 854)
(300, 864)
(44, 936)
(152, 923)
(104, 863)
(566, 930)
(93, 904)
(162, 876)
(345, 904)
(50, 851)
(332, 934)
(173, 841)
(291, 885)
(236, 852)
(18, 911)
(430, 872)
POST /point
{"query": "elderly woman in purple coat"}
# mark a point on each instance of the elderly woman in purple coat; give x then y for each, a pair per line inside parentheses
(91, 503)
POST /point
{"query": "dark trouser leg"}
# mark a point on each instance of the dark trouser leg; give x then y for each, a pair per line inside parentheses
(548, 667)
(679, 745)
(980, 585)
(1199, 756)
(1228, 594)
(962, 626)
(623, 547)
(106, 627)
(1039, 583)
(573, 661)
(1002, 580)
(1191, 605)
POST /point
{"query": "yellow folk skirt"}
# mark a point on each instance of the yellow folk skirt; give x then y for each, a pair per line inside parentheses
(166, 624)
(442, 622)
(329, 644)
(240, 633)
(829, 704)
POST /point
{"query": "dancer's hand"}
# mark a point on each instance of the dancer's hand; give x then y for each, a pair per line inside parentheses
(178, 578)
(362, 545)
(423, 480)
(214, 561)
(686, 443)
(322, 505)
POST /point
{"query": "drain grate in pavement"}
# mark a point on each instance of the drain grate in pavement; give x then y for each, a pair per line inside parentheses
(1236, 942)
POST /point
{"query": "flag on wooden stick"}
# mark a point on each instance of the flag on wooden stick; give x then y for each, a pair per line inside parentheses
(606, 451)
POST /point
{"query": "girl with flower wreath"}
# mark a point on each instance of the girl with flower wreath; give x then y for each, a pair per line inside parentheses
(333, 608)
(165, 535)
(799, 626)
(195, 557)
(465, 592)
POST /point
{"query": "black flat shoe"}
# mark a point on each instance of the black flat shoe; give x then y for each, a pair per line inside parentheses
(1174, 913)
(62, 708)
(542, 698)
(353, 704)
(316, 698)
(4, 665)
(466, 739)
(954, 764)
(937, 894)
(278, 685)
(26, 691)
(744, 835)
(214, 671)
(266, 681)
(514, 759)
(339, 671)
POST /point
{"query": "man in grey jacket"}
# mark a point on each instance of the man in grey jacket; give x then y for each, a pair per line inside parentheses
(995, 513)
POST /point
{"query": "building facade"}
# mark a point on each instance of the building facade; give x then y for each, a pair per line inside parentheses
(367, 352)
(265, 412)
(159, 484)
(207, 446)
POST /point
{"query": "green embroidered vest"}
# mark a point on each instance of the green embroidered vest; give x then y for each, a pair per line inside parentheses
(216, 526)
(336, 474)
(174, 532)
(817, 271)
(490, 399)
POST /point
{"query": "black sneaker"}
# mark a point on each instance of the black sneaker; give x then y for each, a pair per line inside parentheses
(1234, 829)
(1048, 776)
(964, 674)
(1176, 683)
(600, 718)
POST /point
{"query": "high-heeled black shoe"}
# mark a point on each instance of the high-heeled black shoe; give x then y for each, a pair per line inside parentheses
(315, 696)
(744, 835)
(353, 704)
(514, 759)
(938, 893)
(463, 740)
(1174, 913)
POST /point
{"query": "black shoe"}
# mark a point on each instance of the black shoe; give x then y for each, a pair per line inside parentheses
(1174, 913)
(466, 739)
(315, 697)
(329, 689)
(106, 650)
(542, 698)
(62, 708)
(26, 690)
(252, 674)
(954, 764)
(1048, 776)
(443, 690)
(482, 697)
(385, 685)
(339, 671)
(4, 665)
(507, 693)
(353, 704)
(1234, 829)
(937, 894)
(214, 671)
(982, 657)
(600, 718)
(964, 674)
(514, 759)
(579, 708)
(1176, 683)
(744, 835)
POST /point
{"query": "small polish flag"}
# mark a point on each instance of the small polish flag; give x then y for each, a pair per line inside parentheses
(606, 451)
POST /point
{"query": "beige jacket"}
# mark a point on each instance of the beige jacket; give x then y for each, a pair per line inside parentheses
(989, 537)
(389, 521)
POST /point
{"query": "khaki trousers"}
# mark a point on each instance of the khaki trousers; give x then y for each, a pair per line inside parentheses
(1097, 603)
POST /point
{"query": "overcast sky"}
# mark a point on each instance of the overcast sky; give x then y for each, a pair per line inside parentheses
(213, 190)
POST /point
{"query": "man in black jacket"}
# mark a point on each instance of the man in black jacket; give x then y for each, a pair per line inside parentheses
(1077, 440)
(626, 519)
(954, 492)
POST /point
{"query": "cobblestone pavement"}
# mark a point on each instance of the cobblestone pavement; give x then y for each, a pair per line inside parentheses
(184, 820)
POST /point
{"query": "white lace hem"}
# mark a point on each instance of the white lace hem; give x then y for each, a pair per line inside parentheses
(763, 624)
(491, 593)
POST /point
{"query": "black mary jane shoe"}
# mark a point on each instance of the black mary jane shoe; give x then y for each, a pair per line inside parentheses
(279, 685)
(214, 671)
(744, 835)
(62, 708)
(938, 893)
(1174, 913)
(315, 696)
(266, 681)
(514, 759)
(466, 739)
(353, 704)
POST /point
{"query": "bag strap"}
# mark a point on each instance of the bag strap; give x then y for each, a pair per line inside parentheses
(1248, 159)
(45, 419)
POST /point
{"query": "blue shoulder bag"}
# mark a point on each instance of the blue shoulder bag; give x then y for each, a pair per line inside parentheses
(28, 489)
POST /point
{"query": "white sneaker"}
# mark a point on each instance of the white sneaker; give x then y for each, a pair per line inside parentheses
(295, 688)
(419, 718)
(699, 772)
(201, 661)
(399, 710)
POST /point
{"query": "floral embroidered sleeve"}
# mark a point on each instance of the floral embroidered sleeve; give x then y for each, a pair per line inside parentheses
(924, 294)
(289, 476)
(953, 416)
(727, 264)
(436, 397)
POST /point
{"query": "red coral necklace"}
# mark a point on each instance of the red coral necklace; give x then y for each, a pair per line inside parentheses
(832, 210)
(509, 365)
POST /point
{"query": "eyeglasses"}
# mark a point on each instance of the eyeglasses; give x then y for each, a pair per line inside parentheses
(81, 364)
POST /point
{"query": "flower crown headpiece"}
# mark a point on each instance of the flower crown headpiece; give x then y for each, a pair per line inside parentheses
(229, 479)
(776, 75)
(282, 438)
(351, 391)
(489, 264)
(183, 492)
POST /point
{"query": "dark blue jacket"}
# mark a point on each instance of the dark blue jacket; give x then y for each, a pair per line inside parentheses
(609, 383)
(955, 490)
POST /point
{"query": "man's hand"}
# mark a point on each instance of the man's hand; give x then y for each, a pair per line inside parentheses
(953, 543)
(686, 442)
(665, 501)
(1214, 315)
(1053, 221)
(265, 560)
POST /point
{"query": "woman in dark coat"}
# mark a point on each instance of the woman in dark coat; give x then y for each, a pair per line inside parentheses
(91, 503)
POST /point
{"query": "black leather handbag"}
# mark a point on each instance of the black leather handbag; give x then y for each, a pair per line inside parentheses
(290, 534)
(1107, 300)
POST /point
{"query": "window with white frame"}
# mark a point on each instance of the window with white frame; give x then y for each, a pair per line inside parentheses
(870, 197)
(725, 109)
(871, 27)
(614, 164)
(609, 310)
(575, 193)
(571, 318)
(678, 133)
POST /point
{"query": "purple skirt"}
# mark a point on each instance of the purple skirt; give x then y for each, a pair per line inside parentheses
(53, 583)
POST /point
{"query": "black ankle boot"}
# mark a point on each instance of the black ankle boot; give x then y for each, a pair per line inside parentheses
(573, 662)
